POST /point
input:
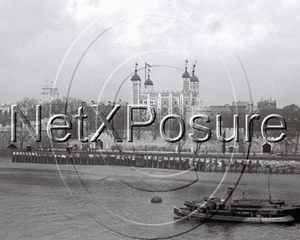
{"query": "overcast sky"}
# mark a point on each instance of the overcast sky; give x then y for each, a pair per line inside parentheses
(45, 38)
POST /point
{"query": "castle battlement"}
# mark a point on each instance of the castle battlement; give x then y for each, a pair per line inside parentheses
(160, 90)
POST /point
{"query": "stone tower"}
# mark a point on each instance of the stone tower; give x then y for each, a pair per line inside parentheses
(186, 79)
(136, 86)
(148, 83)
(194, 87)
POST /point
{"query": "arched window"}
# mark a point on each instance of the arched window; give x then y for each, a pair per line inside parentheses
(164, 111)
(175, 110)
(165, 102)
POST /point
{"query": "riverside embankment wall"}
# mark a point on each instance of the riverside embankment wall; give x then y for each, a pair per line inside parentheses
(163, 160)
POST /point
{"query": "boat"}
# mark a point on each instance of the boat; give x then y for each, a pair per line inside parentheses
(249, 210)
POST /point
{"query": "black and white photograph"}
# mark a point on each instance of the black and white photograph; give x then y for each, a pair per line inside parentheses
(149, 119)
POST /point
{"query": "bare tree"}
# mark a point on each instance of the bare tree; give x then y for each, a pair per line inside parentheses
(28, 106)
(289, 142)
(5, 136)
(154, 128)
(242, 142)
(199, 135)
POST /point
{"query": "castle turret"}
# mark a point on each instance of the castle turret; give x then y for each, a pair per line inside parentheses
(148, 83)
(194, 82)
(186, 79)
(136, 86)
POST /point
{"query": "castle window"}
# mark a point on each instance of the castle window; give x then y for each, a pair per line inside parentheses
(186, 102)
(151, 102)
(165, 102)
(165, 110)
(175, 102)
(175, 110)
(145, 102)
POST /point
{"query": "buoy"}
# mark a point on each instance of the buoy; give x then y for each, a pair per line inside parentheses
(156, 199)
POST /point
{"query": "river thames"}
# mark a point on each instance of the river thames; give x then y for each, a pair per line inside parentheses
(38, 201)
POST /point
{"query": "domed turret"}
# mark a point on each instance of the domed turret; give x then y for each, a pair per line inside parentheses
(135, 77)
(186, 79)
(185, 74)
(148, 82)
(193, 77)
(136, 86)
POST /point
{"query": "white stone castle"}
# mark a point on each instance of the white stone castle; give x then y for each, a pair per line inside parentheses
(184, 102)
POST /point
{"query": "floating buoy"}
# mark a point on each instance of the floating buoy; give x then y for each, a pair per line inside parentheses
(156, 199)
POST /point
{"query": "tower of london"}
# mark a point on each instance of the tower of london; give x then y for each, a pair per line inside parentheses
(184, 102)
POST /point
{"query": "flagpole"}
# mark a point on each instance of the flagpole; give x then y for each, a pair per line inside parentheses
(145, 73)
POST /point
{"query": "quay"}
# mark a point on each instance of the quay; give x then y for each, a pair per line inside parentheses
(165, 160)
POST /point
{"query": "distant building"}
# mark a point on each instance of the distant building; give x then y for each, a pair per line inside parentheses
(5, 114)
(92, 123)
(242, 106)
(290, 113)
(49, 91)
(267, 104)
(5, 108)
(227, 113)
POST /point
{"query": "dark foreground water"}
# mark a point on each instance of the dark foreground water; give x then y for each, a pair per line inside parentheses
(36, 204)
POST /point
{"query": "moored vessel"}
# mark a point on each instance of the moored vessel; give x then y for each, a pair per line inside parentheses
(249, 210)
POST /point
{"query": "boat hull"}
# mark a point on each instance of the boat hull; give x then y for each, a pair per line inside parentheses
(294, 212)
(260, 208)
(229, 218)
